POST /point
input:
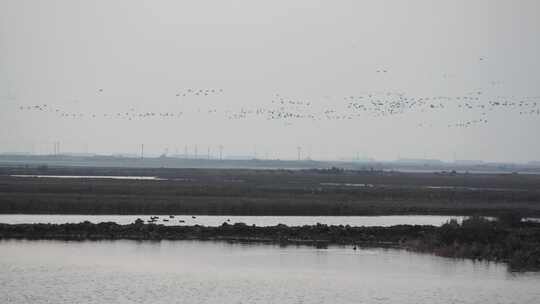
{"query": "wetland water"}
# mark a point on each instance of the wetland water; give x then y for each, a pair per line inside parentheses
(92, 177)
(218, 272)
(217, 220)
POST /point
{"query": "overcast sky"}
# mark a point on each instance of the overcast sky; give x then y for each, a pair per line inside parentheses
(115, 60)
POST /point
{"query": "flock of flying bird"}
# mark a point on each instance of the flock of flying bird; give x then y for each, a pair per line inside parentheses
(474, 105)
(199, 92)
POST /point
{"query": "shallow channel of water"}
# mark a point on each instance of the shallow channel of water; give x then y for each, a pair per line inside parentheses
(217, 220)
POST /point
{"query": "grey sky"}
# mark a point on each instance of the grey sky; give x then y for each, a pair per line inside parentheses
(99, 57)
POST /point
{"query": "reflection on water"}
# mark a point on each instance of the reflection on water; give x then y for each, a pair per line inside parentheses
(216, 220)
(217, 272)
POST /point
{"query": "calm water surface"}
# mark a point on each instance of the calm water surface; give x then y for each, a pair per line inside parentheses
(218, 272)
(210, 220)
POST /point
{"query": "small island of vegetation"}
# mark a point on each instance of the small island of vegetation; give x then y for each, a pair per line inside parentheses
(506, 239)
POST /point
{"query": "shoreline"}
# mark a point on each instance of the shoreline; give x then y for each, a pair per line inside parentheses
(475, 238)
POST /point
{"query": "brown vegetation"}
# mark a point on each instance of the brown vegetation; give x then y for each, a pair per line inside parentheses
(267, 192)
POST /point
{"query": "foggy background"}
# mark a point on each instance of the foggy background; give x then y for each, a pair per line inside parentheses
(98, 57)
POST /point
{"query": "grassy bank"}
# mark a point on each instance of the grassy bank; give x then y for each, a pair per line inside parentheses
(505, 241)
